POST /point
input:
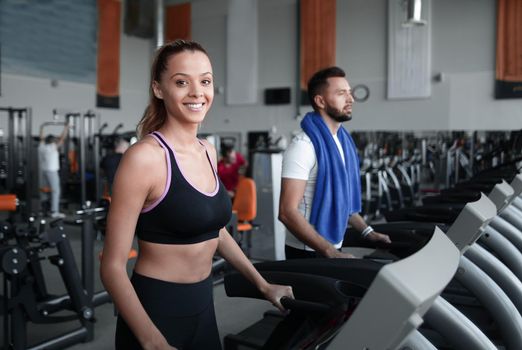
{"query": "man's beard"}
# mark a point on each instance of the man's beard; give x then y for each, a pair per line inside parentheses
(337, 115)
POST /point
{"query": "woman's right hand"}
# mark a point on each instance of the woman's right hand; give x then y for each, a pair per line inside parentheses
(275, 292)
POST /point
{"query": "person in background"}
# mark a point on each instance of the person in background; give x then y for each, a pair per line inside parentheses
(167, 192)
(49, 163)
(320, 187)
(230, 166)
(110, 162)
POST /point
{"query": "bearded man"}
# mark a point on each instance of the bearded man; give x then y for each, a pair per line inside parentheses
(320, 188)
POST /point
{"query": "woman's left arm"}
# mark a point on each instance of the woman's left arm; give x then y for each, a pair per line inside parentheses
(229, 249)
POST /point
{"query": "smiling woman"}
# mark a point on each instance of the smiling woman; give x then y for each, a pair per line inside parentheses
(167, 192)
(186, 87)
(156, 113)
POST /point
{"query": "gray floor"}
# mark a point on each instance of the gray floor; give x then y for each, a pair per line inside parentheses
(233, 314)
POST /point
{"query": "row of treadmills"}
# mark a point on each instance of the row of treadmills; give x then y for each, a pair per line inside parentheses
(451, 279)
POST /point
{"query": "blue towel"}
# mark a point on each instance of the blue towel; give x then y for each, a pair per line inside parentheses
(338, 188)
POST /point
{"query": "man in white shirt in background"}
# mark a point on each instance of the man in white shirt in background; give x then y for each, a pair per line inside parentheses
(321, 163)
(49, 162)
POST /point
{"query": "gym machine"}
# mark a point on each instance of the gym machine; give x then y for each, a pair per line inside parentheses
(25, 295)
(16, 176)
(483, 286)
(26, 299)
(82, 149)
(457, 330)
(502, 300)
(337, 299)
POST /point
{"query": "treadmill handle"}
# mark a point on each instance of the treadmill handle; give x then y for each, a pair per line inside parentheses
(302, 305)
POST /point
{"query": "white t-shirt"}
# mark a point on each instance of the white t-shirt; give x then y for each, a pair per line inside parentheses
(300, 162)
(48, 157)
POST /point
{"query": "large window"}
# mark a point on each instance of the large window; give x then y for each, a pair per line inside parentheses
(53, 39)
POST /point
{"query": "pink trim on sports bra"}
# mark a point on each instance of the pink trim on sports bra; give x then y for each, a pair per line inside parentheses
(212, 164)
(169, 175)
(211, 194)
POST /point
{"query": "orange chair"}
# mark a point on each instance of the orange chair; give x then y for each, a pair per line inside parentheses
(245, 205)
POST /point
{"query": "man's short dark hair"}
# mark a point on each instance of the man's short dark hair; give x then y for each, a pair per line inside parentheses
(226, 148)
(318, 82)
(117, 141)
(50, 139)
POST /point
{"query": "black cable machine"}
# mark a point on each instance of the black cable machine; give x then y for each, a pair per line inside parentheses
(25, 297)
(85, 145)
(16, 175)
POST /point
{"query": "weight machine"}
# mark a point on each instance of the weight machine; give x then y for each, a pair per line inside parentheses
(16, 175)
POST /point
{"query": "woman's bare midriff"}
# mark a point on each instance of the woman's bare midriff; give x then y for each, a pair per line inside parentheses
(180, 263)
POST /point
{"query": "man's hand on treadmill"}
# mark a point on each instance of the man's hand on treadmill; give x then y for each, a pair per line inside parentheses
(336, 254)
(342, 255)
(378, 237)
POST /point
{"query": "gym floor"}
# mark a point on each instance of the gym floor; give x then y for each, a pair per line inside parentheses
(233, 314)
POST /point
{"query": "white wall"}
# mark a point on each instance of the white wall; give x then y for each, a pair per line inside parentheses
(276, 64)
(463, 49)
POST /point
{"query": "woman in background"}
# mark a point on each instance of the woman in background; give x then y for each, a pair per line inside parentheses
(231, 164)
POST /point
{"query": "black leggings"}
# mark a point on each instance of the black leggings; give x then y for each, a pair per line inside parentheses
(184, 314)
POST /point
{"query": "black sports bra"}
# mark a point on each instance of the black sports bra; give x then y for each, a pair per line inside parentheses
(183, 214)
